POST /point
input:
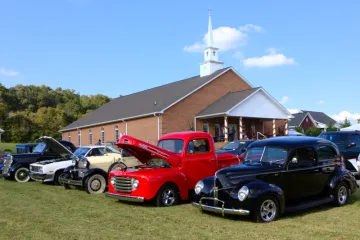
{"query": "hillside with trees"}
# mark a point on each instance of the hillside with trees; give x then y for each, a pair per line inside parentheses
(28, 112)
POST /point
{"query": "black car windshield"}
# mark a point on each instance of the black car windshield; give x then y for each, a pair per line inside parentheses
(171, 145)
(40, 148)
(257, 155)
(234, 145)
(80, 152)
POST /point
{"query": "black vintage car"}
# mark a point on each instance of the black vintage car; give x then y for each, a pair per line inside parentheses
(17, 166)
(277, 175)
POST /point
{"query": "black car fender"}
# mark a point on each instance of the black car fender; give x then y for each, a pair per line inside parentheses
(18, 165)
(257, 189)
(93, 171)
(342, 175)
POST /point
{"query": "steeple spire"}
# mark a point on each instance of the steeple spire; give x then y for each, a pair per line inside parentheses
(211, 62)
(210, 33)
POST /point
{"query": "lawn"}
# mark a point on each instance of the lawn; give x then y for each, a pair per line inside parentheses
(10, 146)
(41, 211)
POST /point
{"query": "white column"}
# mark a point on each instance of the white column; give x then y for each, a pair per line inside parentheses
(240, 129)
(286, 128)
(226, 128)
(158, 122)
(274, 128)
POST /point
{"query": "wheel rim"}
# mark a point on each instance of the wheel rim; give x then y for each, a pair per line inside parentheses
(168, 197)
(22, 175)
(95, 184)
(342, 195)
(61, 176)
(268, 210)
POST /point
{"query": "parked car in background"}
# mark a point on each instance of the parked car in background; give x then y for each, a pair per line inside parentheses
(17, 166)
(51, 170)
(237, 147)
(278, 175)
(348, 143)
(170, 170)
(90, 172)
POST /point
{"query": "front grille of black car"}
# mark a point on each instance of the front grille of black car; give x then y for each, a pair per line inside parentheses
(7, 164)
(35, 168)
(123, 184)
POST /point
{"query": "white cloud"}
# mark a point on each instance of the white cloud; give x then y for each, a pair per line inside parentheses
(284, 99)
(293, 110)
(225, 38)
(8, 73)
(345, 114)
(271, 60)
(320, 102)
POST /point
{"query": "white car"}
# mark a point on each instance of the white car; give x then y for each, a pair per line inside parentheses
(51, 170)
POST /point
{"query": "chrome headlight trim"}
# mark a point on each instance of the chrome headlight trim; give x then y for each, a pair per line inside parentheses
(243, 193)
(134, 184)
(112, 180)
(199, 187)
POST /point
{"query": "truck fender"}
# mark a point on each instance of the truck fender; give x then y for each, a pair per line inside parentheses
(18, 165)
(95, 171)
(258, 189)
(180, 182)
(68, 169)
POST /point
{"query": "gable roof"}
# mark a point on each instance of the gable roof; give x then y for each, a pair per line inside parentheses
(319, 117)
(231, 100)
(146, 103)
(226, 102)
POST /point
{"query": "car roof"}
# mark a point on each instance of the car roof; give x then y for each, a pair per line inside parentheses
(290, 141)
(93, 146)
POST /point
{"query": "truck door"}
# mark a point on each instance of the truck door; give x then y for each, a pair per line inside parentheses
(200, 161)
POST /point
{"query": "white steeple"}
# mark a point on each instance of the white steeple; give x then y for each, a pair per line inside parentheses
(211, 62)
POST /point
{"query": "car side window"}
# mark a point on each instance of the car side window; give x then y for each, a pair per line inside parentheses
(302, 157)
(355, 138)
(96, 153)
(198, 146)
(326, 152)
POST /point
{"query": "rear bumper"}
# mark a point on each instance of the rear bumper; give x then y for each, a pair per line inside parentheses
(41, 177)
(220, 210)
(125, 197)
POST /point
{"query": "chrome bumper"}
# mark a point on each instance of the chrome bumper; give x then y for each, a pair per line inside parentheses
(125, 197)
(37, 176)
(221, 209)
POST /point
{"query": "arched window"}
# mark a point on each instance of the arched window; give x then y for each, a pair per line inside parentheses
(90, 136)
(102, 135)
(79, 137)
(116, 132)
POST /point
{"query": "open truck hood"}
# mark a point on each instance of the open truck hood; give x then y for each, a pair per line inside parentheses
(56, 146)
(144, 151)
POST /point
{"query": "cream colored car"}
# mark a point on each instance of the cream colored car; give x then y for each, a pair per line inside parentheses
(91, 172)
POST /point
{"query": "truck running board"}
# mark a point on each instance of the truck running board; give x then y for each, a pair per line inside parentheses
(310, 204)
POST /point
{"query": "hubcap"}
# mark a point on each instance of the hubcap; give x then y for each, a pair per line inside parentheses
(22, 175)
(168, 197)
(268, 210)
(95, 184)
(342, 196)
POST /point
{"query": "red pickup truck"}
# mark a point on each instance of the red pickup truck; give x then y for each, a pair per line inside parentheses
(171, 169)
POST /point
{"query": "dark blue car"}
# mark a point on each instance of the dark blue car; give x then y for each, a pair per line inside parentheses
(237, 147)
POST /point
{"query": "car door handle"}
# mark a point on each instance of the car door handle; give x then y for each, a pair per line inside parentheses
(316, 170)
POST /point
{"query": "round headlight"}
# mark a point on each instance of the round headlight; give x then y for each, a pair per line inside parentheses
(199, 187)
(112, 180)
(134, 183)
(82, 163)
(243, 193)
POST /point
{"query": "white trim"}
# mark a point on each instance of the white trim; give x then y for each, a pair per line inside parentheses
(311, 118)
(179, 100)
(112, 121)
(212, 115)
(236, 105)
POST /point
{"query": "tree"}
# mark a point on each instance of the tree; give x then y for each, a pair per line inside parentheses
(299, 129)
(345, 124)
(313, 131)
(331, 127)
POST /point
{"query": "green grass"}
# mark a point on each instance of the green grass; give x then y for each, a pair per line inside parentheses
(41, 211)
(10, 146)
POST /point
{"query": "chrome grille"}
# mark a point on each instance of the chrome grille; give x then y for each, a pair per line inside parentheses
(123, 184)
(35, 168)
(7, 164)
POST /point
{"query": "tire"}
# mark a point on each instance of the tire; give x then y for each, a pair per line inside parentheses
(168, 195)
(341, 194)
(95, 184)
(266, 209)
(56, 177)
(117, 166)
(22, 175)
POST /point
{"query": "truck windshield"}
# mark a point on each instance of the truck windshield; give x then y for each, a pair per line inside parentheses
(40, 148)
(270, 155)
(171, 145)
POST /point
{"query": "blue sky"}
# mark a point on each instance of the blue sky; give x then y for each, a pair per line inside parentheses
(304, 53)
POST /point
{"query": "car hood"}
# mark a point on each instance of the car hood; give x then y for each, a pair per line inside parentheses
(56, 146)
(231, 176)
(144, 151)
(46, 162)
